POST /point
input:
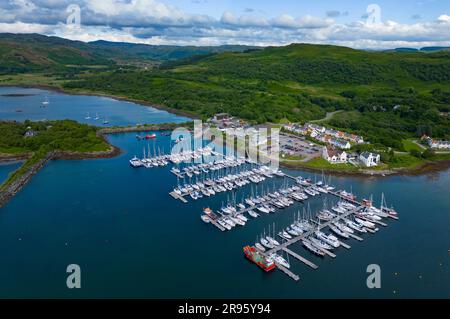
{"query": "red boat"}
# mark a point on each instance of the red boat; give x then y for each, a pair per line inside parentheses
(150, 137)
(256, 257)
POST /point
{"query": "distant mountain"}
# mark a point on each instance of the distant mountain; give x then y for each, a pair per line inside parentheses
(403, 50)
(434, 49)
(20, 53)
(425, 49)
(167, 52)
(35, 52)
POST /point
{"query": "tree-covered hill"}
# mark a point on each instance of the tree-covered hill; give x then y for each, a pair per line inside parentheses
(395, 94)
(23, 53)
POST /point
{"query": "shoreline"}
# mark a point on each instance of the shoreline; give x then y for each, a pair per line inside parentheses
(423, 169)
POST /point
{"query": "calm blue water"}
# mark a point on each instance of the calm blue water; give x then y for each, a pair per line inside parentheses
(132, 240)
(78, 107)
(6, 169)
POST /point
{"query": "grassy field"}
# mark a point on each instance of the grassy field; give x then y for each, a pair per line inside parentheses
(409, 146)
(320, 163)
(405, 161)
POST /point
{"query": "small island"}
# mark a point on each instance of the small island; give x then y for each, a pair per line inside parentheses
(38, 142)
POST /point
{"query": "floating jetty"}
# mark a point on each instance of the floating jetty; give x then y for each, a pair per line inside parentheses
(314, 229)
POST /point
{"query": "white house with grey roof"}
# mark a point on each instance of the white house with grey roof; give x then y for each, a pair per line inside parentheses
(369, 159)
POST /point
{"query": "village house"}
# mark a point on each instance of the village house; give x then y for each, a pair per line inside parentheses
(369, 159)
(334, 156)
(30, 133)
(340, 143)
(330, 136)
(436, 143)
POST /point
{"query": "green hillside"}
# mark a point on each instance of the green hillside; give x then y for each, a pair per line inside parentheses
(24, 53)
(387, 96)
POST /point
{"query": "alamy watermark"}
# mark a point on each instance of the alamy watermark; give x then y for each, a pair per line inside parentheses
(374, 279)
(73, 281)
(373, 14)
(74, 18)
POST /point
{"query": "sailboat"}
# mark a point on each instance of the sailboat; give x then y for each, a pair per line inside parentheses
(46, 102)
(96, 118)
(88, 117)
(390, 211)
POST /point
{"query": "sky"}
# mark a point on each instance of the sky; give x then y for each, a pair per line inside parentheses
(375, 24)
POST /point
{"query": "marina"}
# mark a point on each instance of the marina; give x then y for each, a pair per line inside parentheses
(134, 213)
(345, 220)
(313, 239)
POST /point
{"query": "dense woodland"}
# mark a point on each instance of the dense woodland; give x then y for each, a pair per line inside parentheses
(49, 136)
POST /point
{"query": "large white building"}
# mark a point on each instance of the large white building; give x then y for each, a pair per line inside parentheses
(369, 159)
(334, 156)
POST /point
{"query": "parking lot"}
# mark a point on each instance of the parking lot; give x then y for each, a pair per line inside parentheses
(297, 146)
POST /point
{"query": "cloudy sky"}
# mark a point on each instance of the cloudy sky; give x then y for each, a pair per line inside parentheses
(378, 24)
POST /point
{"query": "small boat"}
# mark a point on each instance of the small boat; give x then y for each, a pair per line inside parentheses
(46, 102)
(150, 136)
(194, 195)
(242, 217)
(284, 234)
(364, 223)
(262, 209)
(237, 221)
(339, 232)
(267, 243)
(280, 260)
(260, 247)
(320, 243)
(224, 225)
(206, 219)
(253, 214)
(313, 249)
(136, 162)
(293, 232)
(273, 241)
(329, 239)
(344, 227)
(359, 228)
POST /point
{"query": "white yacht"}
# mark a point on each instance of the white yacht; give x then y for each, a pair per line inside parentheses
(273, 241)
(253, 214)
(320, 243)
(136, 162)
(266, 243)
(339, 232)
(329, 239)
(280, 260)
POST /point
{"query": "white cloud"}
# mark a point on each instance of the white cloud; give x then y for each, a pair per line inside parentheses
(153, 22)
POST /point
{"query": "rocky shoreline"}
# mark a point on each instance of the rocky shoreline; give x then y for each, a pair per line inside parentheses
(15, 187)
(426, 168)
